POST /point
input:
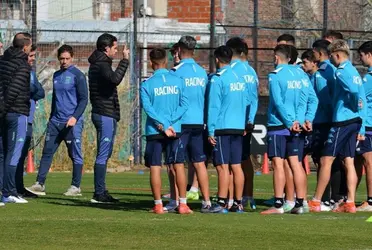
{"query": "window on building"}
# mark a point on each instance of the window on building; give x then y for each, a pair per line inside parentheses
(287, 7)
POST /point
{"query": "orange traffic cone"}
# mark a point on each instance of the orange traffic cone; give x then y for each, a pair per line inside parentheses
(30, 162)
(265, 164)
(307, 165)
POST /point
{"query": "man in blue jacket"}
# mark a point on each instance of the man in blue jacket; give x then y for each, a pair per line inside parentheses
(227, 106)
(285, 86)
(70, 98)
(164, 101)
(241, 67)
(348, 102)
(37, 93)
(364, 148)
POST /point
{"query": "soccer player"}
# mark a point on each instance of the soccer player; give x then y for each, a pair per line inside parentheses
(347, 102)
(336, 188)
(103, 82)
(332, 35)
(306, 112)
(66, 122)
(164, 101)
(240, 66)
(284, 127)
(364, 148)
(191, 142)
(227, 103)
(15, 79)
(37, 93)
(324, 109)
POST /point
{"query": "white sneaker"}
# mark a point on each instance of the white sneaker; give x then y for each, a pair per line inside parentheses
(37, 189)
(73, 191)
(325, 208)
(16, 199)
(365, 207)
(2, 204)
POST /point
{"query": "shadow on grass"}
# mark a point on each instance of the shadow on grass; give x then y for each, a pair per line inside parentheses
(125, 203)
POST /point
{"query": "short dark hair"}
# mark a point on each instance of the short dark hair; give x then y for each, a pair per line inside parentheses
(187, 42)
(174, 48)
(65, 48)
(33, 47)
(322, 45)
(223, 54)
(21, 40)
(237, 45)
(283, 50)
(309, 55)
(287, 38)
(158, 55)
(105, 40)
(334, 34)
(293, 54)
(366, 48)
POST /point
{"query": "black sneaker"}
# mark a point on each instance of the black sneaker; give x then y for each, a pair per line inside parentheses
(112, 199)
(28, 194)
(103, 198)
(237, 208)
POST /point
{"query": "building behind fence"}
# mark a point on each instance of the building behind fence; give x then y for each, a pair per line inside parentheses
(80, 22)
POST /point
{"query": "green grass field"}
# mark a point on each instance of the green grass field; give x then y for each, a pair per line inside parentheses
(57, 222)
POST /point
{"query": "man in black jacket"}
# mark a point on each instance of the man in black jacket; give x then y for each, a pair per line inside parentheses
(15, 80)
(103, 82)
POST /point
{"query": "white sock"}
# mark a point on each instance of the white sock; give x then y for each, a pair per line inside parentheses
(315, 199)
(194, 189)
(349, 201)
(206, 203)
(183, 201)
(231, 202)
(305, 202)
(157, 202)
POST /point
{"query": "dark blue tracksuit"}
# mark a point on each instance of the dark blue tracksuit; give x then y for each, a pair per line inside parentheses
(37, 93)
(106, 130)
(70, 98)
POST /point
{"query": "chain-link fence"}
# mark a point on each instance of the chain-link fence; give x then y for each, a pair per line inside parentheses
(80, 22)
(83, 40)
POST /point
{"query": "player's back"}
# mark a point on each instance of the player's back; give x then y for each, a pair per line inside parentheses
(229, 98)
(306, 101)
(195, 80)
(346, 93)
(244, 70)
(163, 90)
(284, 88)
